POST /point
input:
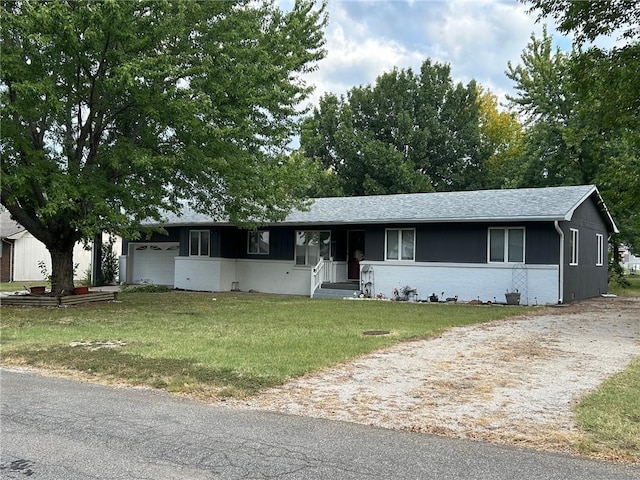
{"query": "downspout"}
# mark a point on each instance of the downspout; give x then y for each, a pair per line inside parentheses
(561, 273)
(12, 274)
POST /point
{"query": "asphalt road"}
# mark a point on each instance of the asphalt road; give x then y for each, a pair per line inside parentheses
(55, 428)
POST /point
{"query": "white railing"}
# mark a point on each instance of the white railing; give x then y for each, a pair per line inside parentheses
(322, 272)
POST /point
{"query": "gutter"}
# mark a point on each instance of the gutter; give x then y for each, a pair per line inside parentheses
(561, 263)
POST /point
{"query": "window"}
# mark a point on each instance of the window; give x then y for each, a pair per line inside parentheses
(573, 246)
(400, 244)
(258, 242)
(506, 245)
(312, 246)
(199, 243)
(599, 249)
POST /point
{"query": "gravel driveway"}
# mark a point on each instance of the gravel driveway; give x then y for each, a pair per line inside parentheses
(507, 381)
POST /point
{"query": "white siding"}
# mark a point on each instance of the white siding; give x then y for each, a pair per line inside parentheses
(273, 276)
(29, 252)
(487, 282)
(218, 274)
(198, 273)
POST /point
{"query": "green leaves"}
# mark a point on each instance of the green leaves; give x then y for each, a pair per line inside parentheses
(407, 133)
(591, 19)
(583, 108)
(114, 110)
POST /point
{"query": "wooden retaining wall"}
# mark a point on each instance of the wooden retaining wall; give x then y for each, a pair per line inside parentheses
(66, 300)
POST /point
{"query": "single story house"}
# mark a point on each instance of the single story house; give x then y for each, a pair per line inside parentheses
(550, 244)
(21, 254)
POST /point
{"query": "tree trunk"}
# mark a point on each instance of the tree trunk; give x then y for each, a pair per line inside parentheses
(62, 271)
(97, 279)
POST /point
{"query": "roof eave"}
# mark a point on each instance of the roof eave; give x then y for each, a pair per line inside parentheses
(383, 221)
(600, 204)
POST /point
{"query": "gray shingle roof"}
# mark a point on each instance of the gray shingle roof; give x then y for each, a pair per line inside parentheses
(532, 204)
(8, 226)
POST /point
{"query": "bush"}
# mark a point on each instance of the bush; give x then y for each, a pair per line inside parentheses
(109, 262)
(146, 288)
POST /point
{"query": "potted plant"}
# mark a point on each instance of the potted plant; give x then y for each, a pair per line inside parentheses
(40, 290)
(513, 298)
(409, 293)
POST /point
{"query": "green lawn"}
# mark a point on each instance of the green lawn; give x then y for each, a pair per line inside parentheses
(219, 344)
(229, 344)
(633, 290)
(19, 286)
(611, 416)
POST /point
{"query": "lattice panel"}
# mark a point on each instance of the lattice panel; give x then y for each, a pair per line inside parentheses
(520, 282)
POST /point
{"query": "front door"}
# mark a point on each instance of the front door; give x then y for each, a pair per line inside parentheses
(355, 253)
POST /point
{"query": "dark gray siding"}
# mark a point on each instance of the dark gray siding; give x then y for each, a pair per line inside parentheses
(281, 242)
(542, 244)
(451, 243)
(585, 280)
(374, 243)
(444, 242)
(467, 242)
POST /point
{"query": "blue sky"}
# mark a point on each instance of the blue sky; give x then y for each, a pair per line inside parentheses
(476, 37)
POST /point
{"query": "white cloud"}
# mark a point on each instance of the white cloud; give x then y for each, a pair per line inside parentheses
(478, 38)
(357, 55)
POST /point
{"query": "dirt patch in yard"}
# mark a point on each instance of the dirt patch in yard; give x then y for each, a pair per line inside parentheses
(510, 381)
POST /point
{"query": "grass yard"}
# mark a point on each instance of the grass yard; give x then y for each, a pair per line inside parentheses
(611, 415)
(18, 286)
(217, 344)
(633, 290)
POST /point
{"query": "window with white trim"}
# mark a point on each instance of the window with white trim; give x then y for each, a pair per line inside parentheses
(599, 249)
(400, 244)
(506, 245)
(199, 243)
(311, 246)
(574, 239)
(258, 242)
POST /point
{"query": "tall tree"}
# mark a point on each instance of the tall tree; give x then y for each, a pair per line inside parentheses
(500, 143)
(605, 119)
(407, 133)
(114, 111)
(590, 19)
(546, 102)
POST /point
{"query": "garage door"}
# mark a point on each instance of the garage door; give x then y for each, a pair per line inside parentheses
(153, 263)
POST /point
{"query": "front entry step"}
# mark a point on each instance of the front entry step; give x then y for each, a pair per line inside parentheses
(353, 286)
(332, 293)
(336, 290)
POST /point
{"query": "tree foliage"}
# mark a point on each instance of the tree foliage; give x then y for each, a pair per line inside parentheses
(113, 111)
(546, 101)
(409, 132)
(590, 19)
(500, 141)
(583, 120)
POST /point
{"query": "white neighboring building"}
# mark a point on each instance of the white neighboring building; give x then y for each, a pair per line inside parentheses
(630, 262)
(21, 253)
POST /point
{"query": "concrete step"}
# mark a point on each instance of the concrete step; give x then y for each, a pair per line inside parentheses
(350, 285)
(333, 293)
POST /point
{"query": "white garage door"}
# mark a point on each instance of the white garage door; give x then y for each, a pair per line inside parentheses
(153, 263)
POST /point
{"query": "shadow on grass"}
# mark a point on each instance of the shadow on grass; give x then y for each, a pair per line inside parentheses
(176, 375)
